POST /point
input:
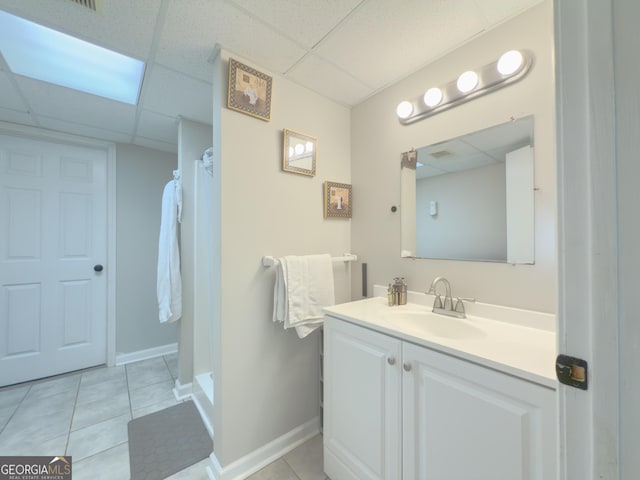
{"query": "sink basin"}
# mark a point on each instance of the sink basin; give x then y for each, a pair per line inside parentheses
(425, 321)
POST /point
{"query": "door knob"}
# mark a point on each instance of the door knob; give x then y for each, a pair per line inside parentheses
(98, 268)
(407, 367)
(391, 360)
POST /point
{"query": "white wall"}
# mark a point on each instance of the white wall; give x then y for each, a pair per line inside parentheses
(472, 215)
(141, 174)
(196, 258)
(378, 139)
(266, 380)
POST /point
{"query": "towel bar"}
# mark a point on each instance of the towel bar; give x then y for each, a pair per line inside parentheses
(268, 261)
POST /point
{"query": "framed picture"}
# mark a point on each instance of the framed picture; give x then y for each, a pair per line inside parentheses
(299, 153)
(337, 200)
(249, 91)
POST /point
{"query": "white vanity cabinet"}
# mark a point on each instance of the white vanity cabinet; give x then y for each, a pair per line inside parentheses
(362, 403)
(396, 410)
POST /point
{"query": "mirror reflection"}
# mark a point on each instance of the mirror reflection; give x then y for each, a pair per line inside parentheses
(471, 197)
(299, 153)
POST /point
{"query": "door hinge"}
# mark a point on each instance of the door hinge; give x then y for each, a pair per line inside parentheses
(572, 371)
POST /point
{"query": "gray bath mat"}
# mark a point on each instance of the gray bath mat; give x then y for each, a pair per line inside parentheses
(165, 442)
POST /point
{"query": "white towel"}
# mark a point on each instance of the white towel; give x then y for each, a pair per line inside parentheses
(169, 282)
(304, 286)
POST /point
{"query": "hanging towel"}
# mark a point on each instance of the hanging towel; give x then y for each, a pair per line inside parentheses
(169, 284)
(304, 286)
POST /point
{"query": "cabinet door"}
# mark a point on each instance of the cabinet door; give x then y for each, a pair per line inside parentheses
(362, 417)
(462, 421)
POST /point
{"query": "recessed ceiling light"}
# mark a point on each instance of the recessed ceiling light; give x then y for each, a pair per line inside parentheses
(38, 52)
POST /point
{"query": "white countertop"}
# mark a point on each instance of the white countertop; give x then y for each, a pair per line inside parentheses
(518, 342)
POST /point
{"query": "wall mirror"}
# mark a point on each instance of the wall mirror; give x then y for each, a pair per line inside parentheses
(471, 197)
(299, 153)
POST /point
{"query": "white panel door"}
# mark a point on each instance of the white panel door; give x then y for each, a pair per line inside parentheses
(462, 422)
(362, 401)
(53, 232)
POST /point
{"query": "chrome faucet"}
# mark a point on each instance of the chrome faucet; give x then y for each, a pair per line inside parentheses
(447, 308)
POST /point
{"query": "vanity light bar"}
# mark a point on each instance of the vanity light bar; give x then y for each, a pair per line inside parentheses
(509, 68)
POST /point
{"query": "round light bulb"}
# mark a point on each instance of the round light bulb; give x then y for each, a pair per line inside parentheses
(510, 62)
(432, 97)
(404, 109)
(299, 149)
(467, 81)
(308, 146)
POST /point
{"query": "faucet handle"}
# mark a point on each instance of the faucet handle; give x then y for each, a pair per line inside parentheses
(460, 303)
(437, 303)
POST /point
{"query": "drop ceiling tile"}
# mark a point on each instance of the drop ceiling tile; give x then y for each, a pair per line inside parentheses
(175, 94)
(13, 116)
(497, 11)
(194, 27)
(158, 127)
(480, 159)
(428, 171)
(77, 107)
(306, 21)
(328, 80)
(9, 96)
(83, 130)
(120, 25)
(156, 144)
(384, 41)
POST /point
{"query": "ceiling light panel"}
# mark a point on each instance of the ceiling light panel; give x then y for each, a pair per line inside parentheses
(44, 54)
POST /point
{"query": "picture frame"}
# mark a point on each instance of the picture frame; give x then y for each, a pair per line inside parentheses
(249, 91)
(299, 152)
(337, 200)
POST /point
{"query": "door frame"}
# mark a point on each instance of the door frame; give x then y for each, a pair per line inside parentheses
(588, 253)
(35, 133)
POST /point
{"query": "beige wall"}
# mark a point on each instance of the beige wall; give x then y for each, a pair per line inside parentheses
(378, 139)
(266, 380)
(141, 174)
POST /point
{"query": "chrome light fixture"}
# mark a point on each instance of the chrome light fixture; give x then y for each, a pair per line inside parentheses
(404, 110)
(510, 67)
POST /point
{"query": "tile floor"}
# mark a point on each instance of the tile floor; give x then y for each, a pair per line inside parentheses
(85, 414)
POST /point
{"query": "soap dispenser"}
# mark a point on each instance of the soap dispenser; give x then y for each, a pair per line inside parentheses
(400, 291)
(391, 296)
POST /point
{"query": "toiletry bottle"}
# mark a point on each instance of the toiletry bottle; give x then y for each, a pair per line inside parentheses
(402, 292)
(391, 296)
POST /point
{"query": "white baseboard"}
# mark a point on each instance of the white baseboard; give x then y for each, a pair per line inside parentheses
(124, 358)
(202, 396)
(263, 456)
(182, 392)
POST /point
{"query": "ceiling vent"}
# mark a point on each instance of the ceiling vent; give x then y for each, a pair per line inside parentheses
(440, 154)
(90, 4)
